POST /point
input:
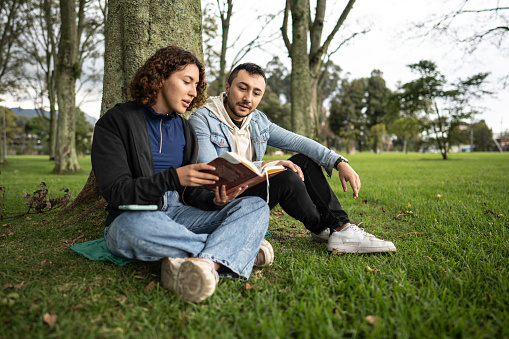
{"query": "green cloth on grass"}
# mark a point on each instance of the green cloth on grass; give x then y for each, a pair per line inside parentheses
(96, 250)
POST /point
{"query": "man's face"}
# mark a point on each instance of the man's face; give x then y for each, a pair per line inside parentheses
(244, 94)
(178, 91)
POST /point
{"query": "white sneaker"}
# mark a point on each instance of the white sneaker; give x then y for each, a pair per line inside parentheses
(194, 279)
(323, 236)
(353, 239)
(265, 256)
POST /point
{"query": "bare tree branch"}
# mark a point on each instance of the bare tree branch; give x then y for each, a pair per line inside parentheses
(284, 29)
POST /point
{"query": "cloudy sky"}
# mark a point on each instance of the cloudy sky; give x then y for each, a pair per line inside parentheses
(388, 47)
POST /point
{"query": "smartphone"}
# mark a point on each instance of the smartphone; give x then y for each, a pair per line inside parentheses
(138, 207)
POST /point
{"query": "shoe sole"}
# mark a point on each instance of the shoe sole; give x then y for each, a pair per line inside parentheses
(194, 284)
(363, 249)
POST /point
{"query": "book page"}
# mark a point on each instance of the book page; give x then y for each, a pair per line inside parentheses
(235, 159)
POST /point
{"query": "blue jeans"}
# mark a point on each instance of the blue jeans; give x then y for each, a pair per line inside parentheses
(231, 236)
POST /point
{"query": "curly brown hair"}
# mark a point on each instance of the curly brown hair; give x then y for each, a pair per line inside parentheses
(148, 80)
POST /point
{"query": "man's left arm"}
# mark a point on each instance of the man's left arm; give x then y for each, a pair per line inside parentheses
(289, 141)
(284, 139)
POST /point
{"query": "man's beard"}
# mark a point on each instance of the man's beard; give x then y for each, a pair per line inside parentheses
(234, 111)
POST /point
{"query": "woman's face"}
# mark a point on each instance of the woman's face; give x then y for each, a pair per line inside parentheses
(178, 91)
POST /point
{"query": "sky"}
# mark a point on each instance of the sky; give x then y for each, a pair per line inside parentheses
(388, 47)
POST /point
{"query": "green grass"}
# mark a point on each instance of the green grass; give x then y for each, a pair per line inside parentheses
(449, 278)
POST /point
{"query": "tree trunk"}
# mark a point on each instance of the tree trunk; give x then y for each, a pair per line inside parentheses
(66, 160)
(300, 80)
(225, 28)
(135, 30)
(51, 59)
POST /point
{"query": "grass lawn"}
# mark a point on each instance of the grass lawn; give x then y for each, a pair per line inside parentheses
(449, 278)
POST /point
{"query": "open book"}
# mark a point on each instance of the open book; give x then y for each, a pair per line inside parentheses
(235, 171)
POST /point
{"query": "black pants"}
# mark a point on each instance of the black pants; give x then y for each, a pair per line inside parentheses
(311, 201)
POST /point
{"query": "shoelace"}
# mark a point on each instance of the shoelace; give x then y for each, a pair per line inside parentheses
(358, 229)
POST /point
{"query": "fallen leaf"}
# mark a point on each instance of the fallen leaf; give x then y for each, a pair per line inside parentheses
(150, 286)
(249, 286)
(122, 299)
(371, 319)
(337, 314)
(140, 277)
(285, 290)
(50, 319)
(77, 307)
(372, 270)
(337, 252)
(5, 225)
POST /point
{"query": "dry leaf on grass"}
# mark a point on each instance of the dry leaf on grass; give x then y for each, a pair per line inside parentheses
(122, 299)
(369, 269)
(372, 319)
(140, 277)
(249, 286)
(50, 319)
(336, 313)
(150, 286)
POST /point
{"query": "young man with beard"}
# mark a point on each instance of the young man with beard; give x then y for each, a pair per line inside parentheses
(231, 122)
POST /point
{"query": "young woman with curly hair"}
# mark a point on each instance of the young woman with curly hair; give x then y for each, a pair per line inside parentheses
(144, 156)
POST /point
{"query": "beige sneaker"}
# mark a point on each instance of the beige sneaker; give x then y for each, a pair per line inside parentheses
(194, 279)
(265, 256)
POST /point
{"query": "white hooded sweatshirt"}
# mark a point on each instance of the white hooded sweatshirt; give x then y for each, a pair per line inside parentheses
(241, 137)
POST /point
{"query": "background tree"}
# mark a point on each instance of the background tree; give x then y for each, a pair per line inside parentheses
(13, 15)
(376, 108)
(482, 137)
(10, 127)
(135, 30)
(217, 66)
(346, 117)
(66, 160)
(307, 59)
(470, 23)
(278, 79)
(447, 105)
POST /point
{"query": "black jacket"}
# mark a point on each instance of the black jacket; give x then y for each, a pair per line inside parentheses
(123, 165)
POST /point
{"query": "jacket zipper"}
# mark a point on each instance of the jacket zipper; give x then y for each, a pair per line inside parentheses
(161, 136)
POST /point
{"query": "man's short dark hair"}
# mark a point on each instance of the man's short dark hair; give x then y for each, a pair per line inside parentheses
(252, 69)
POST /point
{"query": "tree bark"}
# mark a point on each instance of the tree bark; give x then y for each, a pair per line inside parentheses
(66, 160)
(225, 28)
(135, 30)
(300, 80)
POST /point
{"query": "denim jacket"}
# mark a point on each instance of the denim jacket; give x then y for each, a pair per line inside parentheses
(214, 139)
